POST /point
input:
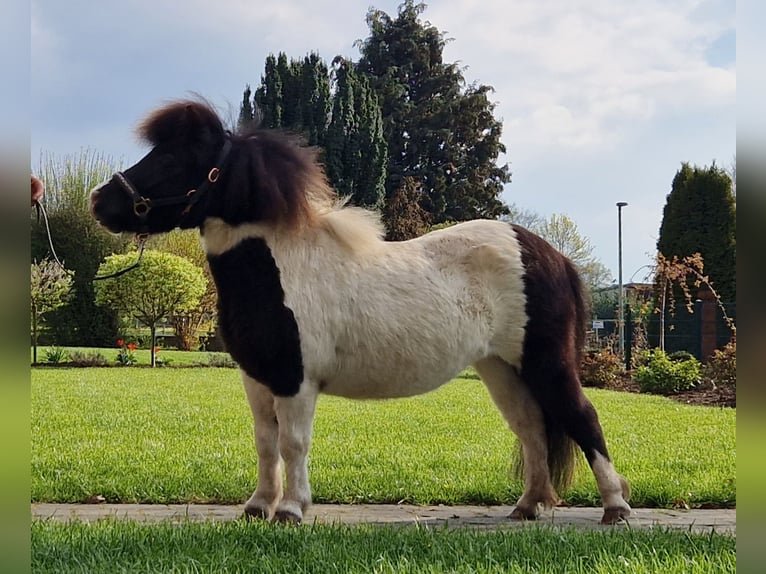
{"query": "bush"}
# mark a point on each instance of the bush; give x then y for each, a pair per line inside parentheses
(92, 359)
(220, 360)
(56, 355)
(661, 375)
(600, 368)
(721, 369)
(680, 356)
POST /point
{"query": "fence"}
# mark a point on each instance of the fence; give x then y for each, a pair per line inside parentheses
(700, 332)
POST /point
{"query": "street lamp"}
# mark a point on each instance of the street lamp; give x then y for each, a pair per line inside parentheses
(621, 309)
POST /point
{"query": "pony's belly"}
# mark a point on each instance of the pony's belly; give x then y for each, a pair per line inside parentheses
(388, 383)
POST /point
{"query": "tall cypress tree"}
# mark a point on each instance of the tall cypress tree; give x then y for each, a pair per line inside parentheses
(269, 95)
(441, 134)
(314, 98)
(355, 150)
(246, 112)
(700, 216)
(295, 95)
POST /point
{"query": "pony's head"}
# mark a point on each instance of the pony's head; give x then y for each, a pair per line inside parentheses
(197, 169)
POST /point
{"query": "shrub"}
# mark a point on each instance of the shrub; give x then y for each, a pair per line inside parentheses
(56, 355)
(91, 359)
(680, 356)
(721, 369)
(660, 375)
(220, 360)
(600, 368)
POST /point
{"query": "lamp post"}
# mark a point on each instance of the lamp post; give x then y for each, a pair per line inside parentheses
(621, 309)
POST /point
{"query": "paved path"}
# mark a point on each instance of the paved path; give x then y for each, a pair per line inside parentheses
(482, 517)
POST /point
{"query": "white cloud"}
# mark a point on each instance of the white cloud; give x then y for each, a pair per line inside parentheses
(579, 74)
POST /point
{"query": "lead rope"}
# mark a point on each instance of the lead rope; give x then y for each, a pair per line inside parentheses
(141, 244)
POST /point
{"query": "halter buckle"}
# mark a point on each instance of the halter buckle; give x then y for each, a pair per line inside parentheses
(212, 176)
(141, 207)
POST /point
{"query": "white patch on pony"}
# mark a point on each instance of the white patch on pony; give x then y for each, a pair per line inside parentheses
(295, 417)
(393, 319)
(219, 237)
(613, 488)
(264, 500)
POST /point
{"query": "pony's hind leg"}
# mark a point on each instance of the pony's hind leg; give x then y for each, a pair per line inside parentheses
(525, 418)
(295, 415)
(581, 423)
(269, 490)
(557, 387)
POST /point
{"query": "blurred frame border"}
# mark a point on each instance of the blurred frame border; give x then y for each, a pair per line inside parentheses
(15, 51)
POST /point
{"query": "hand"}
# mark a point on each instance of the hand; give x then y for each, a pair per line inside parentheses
(38, 189)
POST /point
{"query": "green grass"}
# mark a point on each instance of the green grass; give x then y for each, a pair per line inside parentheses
(266, 548)
(185, 435)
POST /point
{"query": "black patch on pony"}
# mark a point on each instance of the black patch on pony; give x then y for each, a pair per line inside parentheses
(553, 347)
(259, 331)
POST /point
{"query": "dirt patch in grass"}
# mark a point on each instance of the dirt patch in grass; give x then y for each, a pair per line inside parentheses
(706, 394)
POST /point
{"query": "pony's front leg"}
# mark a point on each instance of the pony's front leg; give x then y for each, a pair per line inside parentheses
(269, 490)
(296, 419)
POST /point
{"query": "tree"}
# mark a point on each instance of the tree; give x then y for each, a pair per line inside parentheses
(700, 217)
(186, 324)
(246, 111)
(682, 274)
(293, 95)
(355, 149)
(523, 217)
(163, 284)
(437, 132)
(50, 288)
(561, 232)
(403, 216)
(79, 241)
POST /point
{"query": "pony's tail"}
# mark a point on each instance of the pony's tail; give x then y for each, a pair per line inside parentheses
(562, 456)
(562, 450)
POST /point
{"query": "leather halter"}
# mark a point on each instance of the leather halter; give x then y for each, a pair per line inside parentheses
(143, 205)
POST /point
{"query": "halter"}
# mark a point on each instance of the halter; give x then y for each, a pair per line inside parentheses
(143, 205)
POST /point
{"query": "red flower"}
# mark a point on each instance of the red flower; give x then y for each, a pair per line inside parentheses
(156, 350)
(120, 342)
(131, 346)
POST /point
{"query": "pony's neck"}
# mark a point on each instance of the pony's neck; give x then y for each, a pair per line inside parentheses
(219, 237)
(353, 229)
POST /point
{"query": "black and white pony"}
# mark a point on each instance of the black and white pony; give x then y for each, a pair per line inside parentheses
(312, 300)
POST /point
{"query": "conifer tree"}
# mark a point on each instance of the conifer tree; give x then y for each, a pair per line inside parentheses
(437, 131)
(700, 217)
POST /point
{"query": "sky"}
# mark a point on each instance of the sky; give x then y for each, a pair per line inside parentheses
(601, 100)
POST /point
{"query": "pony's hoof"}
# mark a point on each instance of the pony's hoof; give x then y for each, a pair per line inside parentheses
(521, 514)
(287, 517)
(615, 515)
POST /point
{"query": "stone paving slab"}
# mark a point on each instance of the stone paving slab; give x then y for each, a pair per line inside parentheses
(481, 517)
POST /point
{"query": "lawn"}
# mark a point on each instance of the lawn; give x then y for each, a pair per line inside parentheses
(185, 435)
(266, 548)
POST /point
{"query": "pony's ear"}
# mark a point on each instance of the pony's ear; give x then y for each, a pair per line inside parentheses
(188, 121)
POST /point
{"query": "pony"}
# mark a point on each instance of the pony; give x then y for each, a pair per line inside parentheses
(312, 299)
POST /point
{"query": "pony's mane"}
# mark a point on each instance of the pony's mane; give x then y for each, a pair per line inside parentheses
(272, 175)
(360, 230)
